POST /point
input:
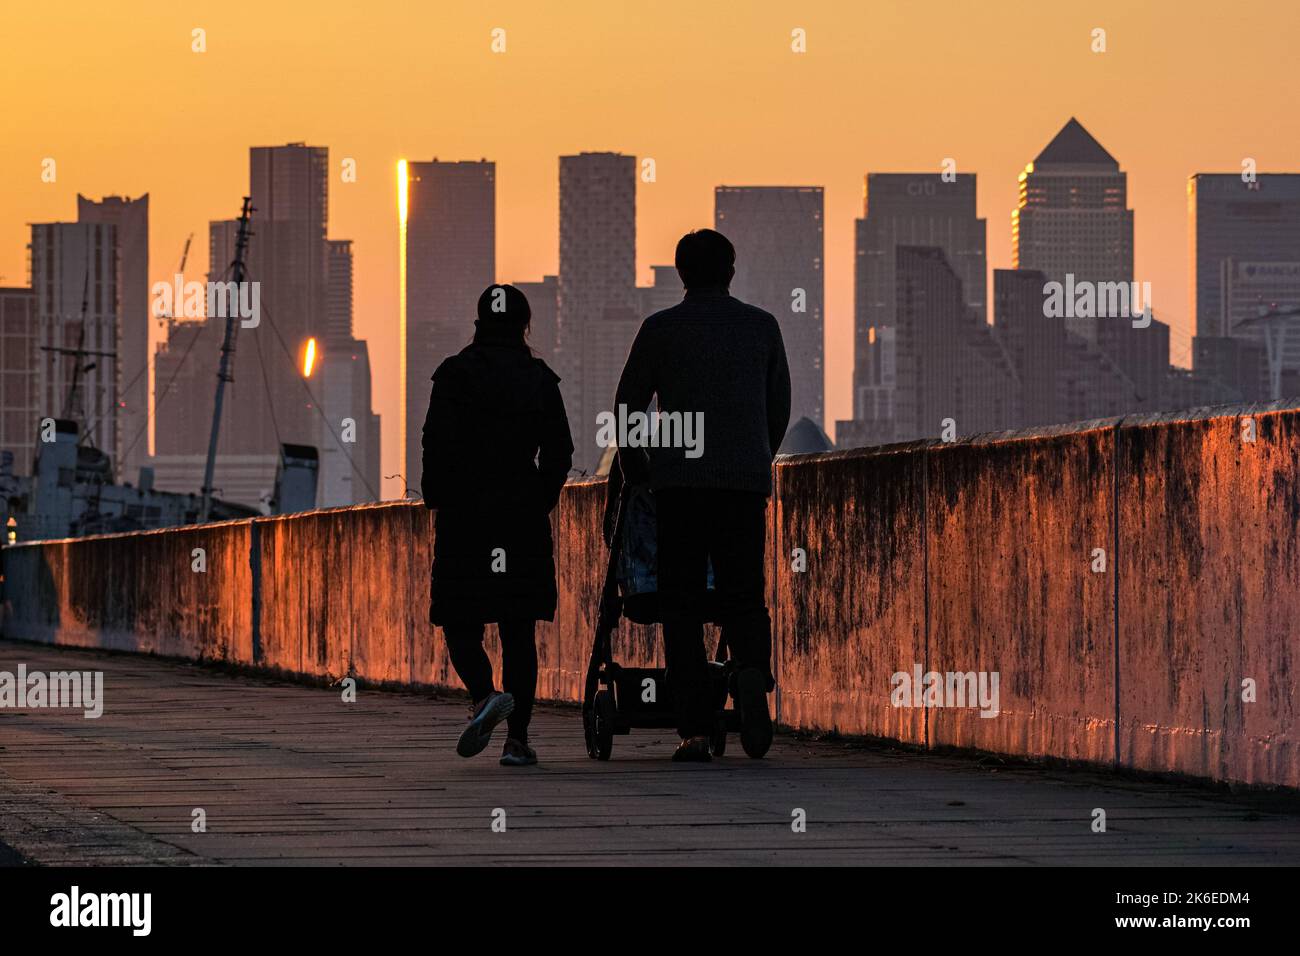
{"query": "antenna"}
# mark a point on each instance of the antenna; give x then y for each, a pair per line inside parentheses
(237, 274)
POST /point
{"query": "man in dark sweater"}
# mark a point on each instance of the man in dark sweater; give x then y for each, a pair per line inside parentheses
(718, 370)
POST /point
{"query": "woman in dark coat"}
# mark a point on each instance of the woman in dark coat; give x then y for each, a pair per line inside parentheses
(497, 451)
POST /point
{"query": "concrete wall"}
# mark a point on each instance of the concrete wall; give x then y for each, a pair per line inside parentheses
(978, 555)
(1210, 594)
(1011, 528)
(857, 614)
(136, 592)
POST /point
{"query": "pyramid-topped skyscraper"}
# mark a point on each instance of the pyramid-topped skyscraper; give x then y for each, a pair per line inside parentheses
(1073, 221)
(1073, 216)
(1075, 146)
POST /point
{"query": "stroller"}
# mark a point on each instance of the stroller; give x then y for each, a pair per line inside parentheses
(616, 699)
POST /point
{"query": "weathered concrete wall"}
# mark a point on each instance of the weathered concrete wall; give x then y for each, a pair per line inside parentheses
(136, 592)
(973, 556)
(1012, 524)
(346, 592)
(856, 615)
(1210, 594)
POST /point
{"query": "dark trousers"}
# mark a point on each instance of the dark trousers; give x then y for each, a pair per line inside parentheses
(728, 528)
(518, 666)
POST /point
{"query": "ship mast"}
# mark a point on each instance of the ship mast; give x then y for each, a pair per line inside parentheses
(73, 404)
(238, 272)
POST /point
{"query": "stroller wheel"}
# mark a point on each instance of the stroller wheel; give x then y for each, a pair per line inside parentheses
(718, 739)
(604, 724)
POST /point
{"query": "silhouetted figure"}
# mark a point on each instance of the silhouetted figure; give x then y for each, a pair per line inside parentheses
(497, 451)
(720, 364)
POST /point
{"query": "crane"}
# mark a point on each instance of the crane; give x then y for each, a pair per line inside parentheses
(180, 270)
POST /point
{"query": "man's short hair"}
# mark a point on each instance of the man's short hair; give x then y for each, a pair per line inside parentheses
(705, 257)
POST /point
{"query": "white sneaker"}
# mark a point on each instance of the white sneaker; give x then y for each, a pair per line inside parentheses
(482, 722)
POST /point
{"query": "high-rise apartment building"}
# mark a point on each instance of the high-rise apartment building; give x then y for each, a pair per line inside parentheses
(597, 314)
(348, 437)
(20, 363)
(74, 278)
(543, 301)
(338, 301)
(450, 242)
(289, 255)
(916, 209)
(950, 365)
(131, 217)
(664, 292)
(779, 240)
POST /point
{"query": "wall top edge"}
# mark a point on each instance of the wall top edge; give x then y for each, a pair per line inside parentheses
(1146, 420)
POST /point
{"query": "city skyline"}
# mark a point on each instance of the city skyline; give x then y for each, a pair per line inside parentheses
(788, 434)
(828, 117)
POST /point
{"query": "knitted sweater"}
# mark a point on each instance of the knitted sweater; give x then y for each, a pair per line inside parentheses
(721, 364)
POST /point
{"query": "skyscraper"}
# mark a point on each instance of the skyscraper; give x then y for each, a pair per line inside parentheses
(289, 255)
(348, 435)
(288, 251)
(1261, 304)
(597, 288)
(918, 209)
(185, 379)
(20, 363)
(1244, 221)
(338, 303)
(950, 363)
(131, 217)
(1245, 258)
(305, 293)
(1037, 344)
(450, 260)
(74, 277)
(663, 293)
(543, 300)
(1061, 377)
(1073, 217)
(265, 404)
(1073, 224)
(778, 235)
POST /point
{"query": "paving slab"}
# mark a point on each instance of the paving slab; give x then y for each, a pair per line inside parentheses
(290, 774)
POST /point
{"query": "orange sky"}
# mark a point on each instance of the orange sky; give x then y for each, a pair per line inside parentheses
(114, 94)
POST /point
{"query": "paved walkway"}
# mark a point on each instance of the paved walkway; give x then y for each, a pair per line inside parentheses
(287, 773)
